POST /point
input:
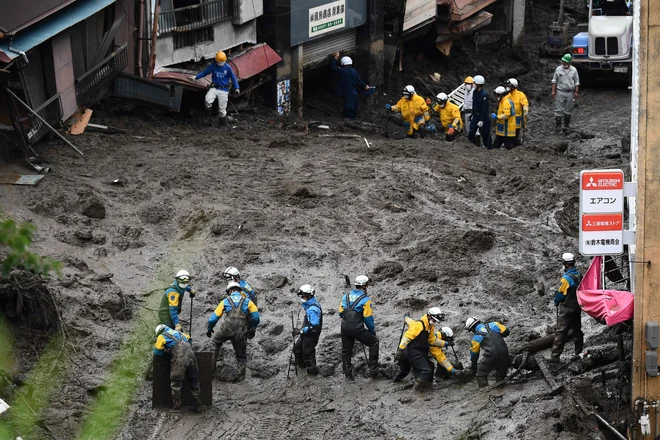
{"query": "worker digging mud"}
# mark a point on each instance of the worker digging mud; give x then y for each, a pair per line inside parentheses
(565, 88)
(221, 76)
(570, 312)
(445, 370)
(480, 116)
(414, 110)
(488, 340)
(350, 84)
(357, 323)
(505, 120)
(468, 84)
(521, 105)
(416, 343)
(233, 274)
(308, 335)
(240, 324)
(183, 364)
(172, 300)
(450, 116)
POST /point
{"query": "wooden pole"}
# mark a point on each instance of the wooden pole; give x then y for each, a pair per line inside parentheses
(154, 36)
(140, 41)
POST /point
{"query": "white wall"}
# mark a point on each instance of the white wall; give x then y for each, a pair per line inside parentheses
(248, 10)
(518, 26)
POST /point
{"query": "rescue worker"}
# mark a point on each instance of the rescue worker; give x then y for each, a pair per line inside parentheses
(240, 313)
(414, 110)
(233, 274)
(565, 88)
(357, 322)
(417, 342)
(480, 116)
(350, 84)
(488, 340)
(172, 300)
(468, 85)
(183, 363)
(570, 311)
(445, 338)
(522, 107)
(505, 120)
(221, 76)
(304, 349)
(450, 116)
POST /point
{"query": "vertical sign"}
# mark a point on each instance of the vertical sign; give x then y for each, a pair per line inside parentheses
(601, 212)
(327, 18)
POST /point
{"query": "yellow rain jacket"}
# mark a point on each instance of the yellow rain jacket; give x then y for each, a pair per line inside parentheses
(506, 118)
(414, 112)
(521, 105)
(415, 328)
(450, 114)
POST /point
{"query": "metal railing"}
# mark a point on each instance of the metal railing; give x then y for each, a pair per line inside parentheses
(50, 111)
(100, 76)
(194, 17)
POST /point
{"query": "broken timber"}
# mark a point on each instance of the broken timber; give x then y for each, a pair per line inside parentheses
(554, 387)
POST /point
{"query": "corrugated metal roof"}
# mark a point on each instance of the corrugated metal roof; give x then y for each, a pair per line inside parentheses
(16, 15)
(50, 26)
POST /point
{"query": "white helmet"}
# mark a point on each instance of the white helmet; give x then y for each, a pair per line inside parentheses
(471, 323)
(500, 90)
(567, 257)
(232, 285)
(435, 315)
(160, 329)
(230, 273)
(361, 280)
(408, 91)
(447, 332)
(442, 97)
(479, 80)
(513, 82)
(307, 290)
(346, 61)
(182, 274)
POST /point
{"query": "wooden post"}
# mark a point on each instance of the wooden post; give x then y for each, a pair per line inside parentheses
(645, 120)
(299, 67)
(154, 36)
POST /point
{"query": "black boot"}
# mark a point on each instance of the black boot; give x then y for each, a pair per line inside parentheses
(222, 121)
(482, 381)
(567, 121)
(197, 407)
(422, 385)
(579, 344)
(348, 371)
(241, 373)
(557, 123)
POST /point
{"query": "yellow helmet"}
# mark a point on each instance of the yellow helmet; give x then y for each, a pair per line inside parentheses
(469, 80)
(220, 57)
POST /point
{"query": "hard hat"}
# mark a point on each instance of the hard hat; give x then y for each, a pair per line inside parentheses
(469, 80)
(220, 57)
(568, 58)
(361, 280)
(471, 323)
(447, 332)
(442, 97)
(567, 257)
(230, 273)
(512, 82)
(500, 90)
(183, 275)
(346, 61)
(408, 90)
(306, 290)
(160, 329)
(232, 285)
(479, 80)
(435, 315)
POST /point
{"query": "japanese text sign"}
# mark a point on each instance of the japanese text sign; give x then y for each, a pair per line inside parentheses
(601, 212)
(327, 18)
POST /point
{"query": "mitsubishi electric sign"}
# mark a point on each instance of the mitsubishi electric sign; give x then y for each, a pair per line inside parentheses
(327, 18)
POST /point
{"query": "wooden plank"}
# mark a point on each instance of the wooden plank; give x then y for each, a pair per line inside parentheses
(554, 387)
(17, 179)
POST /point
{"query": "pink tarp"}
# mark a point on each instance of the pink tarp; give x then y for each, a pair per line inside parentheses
(611, 306)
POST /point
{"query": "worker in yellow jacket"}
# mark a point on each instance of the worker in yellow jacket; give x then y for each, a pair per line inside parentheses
(414, 110)
(505, 120)
(450, 116)
(522, 107)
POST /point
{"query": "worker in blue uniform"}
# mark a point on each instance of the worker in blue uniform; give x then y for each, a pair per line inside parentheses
(172, 300)
(350, 84)
(233, 274)
(488, 350)
(304, 349)
(222, 78)
(570, 313)
(480, 115)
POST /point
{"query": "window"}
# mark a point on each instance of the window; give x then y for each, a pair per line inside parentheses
(612, 46)
(190, 38)
(600, 46)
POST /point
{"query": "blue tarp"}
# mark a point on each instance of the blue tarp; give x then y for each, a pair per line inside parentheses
(49, 27)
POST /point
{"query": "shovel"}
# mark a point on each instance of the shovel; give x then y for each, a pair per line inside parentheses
(458, 365)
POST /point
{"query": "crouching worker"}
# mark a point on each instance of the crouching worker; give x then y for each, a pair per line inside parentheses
(240, 324)
(308, 335)
(488, 340)
(444, 338)
(414, 110)
(183, 364)
(450, 116)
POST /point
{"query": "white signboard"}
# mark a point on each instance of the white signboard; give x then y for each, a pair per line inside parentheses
(601, 212)
(601, 191)
(327, 18)
(601, 234)
(3, 406)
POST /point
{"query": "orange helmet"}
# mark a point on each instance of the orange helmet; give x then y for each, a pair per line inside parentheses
(220, 57)
(469, 80)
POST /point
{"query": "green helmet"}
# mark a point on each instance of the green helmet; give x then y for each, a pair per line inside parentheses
(567, 58)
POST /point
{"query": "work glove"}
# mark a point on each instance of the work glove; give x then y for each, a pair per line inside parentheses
(458, 365)
(251, 333)
(237, 92)
(559, 298)
(295, 332)
(178, 327)
(191, 291)
(451, 130)
(428, 101)
(397, 356)
(192, 78)
(406, 315)
(480, 124)
(209, 333)
(493, 116)
(449, 343)
(388, 106)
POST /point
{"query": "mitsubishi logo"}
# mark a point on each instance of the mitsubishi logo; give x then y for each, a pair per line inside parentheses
(591, 182)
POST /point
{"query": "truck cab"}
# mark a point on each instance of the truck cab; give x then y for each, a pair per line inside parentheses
(607, 45)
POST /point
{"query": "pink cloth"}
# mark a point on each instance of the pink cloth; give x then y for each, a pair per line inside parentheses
(611, 306)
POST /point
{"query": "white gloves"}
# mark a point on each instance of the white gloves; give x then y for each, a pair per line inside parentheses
(480, 124)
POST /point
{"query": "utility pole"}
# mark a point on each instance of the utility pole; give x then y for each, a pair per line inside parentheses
(645, 120)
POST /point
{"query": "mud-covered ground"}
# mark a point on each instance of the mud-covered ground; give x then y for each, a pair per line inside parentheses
(428, 221)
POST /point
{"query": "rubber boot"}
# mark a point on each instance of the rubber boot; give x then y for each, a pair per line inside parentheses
(348, 371)
(222, 121)
(482, 381)
(500, 378)
(197, 407)
(241, 373)
(557, 347)
(422, 131)
(557, 123)
(399, 377)
(579, 344)
(422, 385)
(311, 369)
(176, 403)
(567, 121)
